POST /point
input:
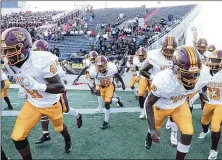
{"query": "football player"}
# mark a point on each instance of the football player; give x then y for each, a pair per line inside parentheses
(212, 111)
(92, 56)
(103, 72)
(135, 75)
(41, 45)
(5, 84)
(169, 91)
(156, 62)
(211, 48)
(202, 47)
(143, 82)
(37, 73)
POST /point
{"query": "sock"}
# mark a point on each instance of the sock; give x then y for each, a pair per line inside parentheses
(141, 101)
(65, 134)
(45, 124)
(73, 112)
(8, 102)
(215, 136)
(205, 128)
(114, 100)
(107, 113)
(100, 101)
(171, 120)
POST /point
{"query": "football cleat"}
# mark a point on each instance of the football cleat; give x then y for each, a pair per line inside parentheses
(203, 134)
(142, 114)
(119, 102)
(45, 137)
(79, 121)
(68, 146)
(213, 154)
(168, 123)
(173, 138)
(8, 108)
(148, 142)
(104, 125)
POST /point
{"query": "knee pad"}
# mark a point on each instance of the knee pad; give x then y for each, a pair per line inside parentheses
(107, 105)
(97, 93)
(132, 87)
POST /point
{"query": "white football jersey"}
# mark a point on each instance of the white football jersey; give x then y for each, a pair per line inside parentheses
(40, 65)
(171, 91)
(103, 79)
(3, 76)
(132, 68)
(61, 72)
(158, 61)
(214, 88)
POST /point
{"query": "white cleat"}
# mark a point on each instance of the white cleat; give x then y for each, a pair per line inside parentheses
(99, 109)
(213, 154)
(142, 114)
(173, 138)
(203, 135)
(168, 124)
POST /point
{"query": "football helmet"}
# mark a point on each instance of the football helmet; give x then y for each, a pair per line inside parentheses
(211, 48)
(101, 64)
(169, 45)
(92, 56)
(187, 64)
(215, 60)
(141, 53)
(16, 44)
(130, 60)
(202, 45)
(40, 45)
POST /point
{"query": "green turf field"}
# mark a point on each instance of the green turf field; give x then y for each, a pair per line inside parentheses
(78, 99)
(123, 139)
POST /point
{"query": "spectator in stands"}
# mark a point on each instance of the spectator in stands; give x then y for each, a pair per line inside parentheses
(170, 19)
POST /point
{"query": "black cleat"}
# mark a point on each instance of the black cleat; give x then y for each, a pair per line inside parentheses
(148, 142)
(119, 102)
(79, 121)
(8, 108)
(104, 125)
(68, 146)
(45, 137)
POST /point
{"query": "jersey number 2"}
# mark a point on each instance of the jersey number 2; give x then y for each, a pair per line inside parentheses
(214, 93)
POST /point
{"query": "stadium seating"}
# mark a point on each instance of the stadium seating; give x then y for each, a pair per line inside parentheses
(73, 44)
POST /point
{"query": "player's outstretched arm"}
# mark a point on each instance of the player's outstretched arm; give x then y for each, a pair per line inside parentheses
(80, 73)
(145, 68)
(118, 76)
(149, 102)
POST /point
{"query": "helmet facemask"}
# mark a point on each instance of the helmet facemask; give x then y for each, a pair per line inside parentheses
(201, 49)
(168, 52)
(188, 78)
(215, 64)
(13, 54)
(102, 67)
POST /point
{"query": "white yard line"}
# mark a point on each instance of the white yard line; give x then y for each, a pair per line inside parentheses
(92, 110)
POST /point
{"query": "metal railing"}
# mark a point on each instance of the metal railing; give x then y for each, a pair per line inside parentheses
(177, 29)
